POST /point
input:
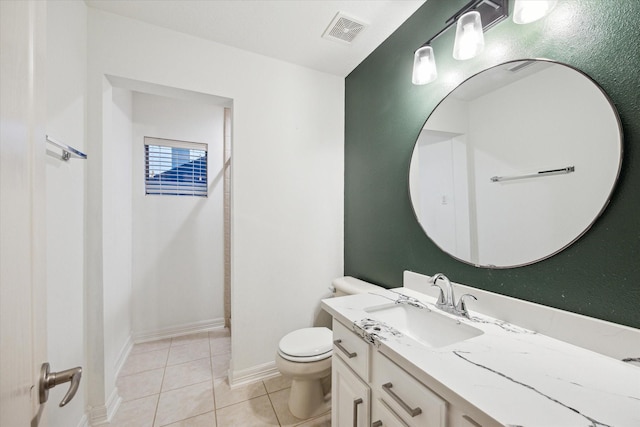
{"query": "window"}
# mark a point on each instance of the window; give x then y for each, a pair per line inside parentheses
(175, 168)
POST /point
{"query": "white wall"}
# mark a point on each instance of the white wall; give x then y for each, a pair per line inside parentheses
(117, 232)
(178, 250)
(66, 97)
(287, 172)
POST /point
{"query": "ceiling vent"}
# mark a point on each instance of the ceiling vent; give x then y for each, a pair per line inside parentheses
(343, 29)
(519, 66)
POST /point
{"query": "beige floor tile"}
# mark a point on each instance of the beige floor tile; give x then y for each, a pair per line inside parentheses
(151, 346)
(280, 401)
(136, 413)
(146, 361)
(188, 352)
(183, 403)
(322, 421)
(225, 396)
(185, 374)
(220, 345)
(277, 383)
(204, 420)
(188, 339)
(135, 386)
(256, 412)
(220, 365)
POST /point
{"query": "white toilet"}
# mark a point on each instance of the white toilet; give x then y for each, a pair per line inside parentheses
(305, 356)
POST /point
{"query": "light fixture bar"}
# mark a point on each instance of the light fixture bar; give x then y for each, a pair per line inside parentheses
(491, 12)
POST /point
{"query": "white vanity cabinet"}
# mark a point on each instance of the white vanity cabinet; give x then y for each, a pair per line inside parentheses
(350, 398)
(351, 394)
(383, 416)
(412, 401)
(370, 389)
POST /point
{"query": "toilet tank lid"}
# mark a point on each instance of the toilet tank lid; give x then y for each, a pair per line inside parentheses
(307, 342)
(351, 286)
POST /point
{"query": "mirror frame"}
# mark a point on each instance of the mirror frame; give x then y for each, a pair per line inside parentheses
(596, 217)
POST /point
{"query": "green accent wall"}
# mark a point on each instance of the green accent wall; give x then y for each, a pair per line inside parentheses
(599, 275)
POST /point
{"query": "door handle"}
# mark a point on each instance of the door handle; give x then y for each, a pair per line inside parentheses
(50, 379)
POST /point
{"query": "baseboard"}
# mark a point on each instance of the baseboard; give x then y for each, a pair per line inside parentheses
(102, 415)
(84, 421)
(176, 331)
(253, 374)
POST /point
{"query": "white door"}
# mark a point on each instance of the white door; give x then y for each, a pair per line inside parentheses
(22, 210)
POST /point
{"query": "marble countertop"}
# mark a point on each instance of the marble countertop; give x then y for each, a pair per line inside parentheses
(514, 375)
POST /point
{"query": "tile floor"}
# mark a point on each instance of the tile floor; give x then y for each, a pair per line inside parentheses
(181, 382)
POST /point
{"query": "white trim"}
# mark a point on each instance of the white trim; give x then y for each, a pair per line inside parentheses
(176, 331)
(149, 140)
(122, 356)
(253, 374)
(102, 415)
(84, 421)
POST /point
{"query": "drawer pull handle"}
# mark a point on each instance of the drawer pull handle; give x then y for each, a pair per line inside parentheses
(411, 411)
(344, 350)
(377, 424)
(356, 402)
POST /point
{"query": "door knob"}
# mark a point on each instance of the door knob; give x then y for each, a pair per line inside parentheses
(50, 379)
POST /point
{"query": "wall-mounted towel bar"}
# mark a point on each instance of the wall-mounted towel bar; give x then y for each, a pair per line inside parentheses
(561, 171)
(67, 151)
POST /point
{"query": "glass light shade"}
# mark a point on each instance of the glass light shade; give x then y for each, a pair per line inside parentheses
(424, 66)
(526, 11)
(469, 38)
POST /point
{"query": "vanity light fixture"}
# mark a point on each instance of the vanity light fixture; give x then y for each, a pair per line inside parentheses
(526, 11)
(469, 40)
(424, 66)
(472, 20)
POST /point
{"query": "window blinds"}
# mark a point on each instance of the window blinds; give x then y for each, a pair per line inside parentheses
(175, 168)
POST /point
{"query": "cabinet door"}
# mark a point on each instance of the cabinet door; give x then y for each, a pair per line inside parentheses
(350, 399)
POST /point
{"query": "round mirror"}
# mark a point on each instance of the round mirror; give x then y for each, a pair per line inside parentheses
(515, 164)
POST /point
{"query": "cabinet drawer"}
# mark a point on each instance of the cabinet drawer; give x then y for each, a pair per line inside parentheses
(382, 416)
(352, 349)
(415, 403)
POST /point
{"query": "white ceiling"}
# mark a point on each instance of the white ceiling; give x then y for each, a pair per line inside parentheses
(289, 30)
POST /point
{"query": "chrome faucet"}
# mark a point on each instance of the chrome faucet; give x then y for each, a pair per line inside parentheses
(446, 299)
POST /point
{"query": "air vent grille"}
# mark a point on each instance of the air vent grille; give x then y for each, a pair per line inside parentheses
(521, 66)
(343, 29)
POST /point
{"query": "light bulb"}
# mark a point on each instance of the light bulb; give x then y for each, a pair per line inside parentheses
(424, 66)
(526, 11)
(469, 38)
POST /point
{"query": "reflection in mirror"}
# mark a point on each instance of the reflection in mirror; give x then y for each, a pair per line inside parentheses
(510, 123)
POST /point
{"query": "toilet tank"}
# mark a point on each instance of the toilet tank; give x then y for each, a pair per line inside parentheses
(350, 285)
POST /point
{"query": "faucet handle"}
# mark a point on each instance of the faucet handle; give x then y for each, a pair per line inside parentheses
(461, 307)
(441, 300)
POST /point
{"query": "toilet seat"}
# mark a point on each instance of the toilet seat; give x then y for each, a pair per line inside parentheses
(307, 345)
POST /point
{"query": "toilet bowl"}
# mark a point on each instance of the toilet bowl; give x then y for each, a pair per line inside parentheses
(305, 356)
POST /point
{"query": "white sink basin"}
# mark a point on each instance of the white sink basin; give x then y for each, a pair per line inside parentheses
(429, 328)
